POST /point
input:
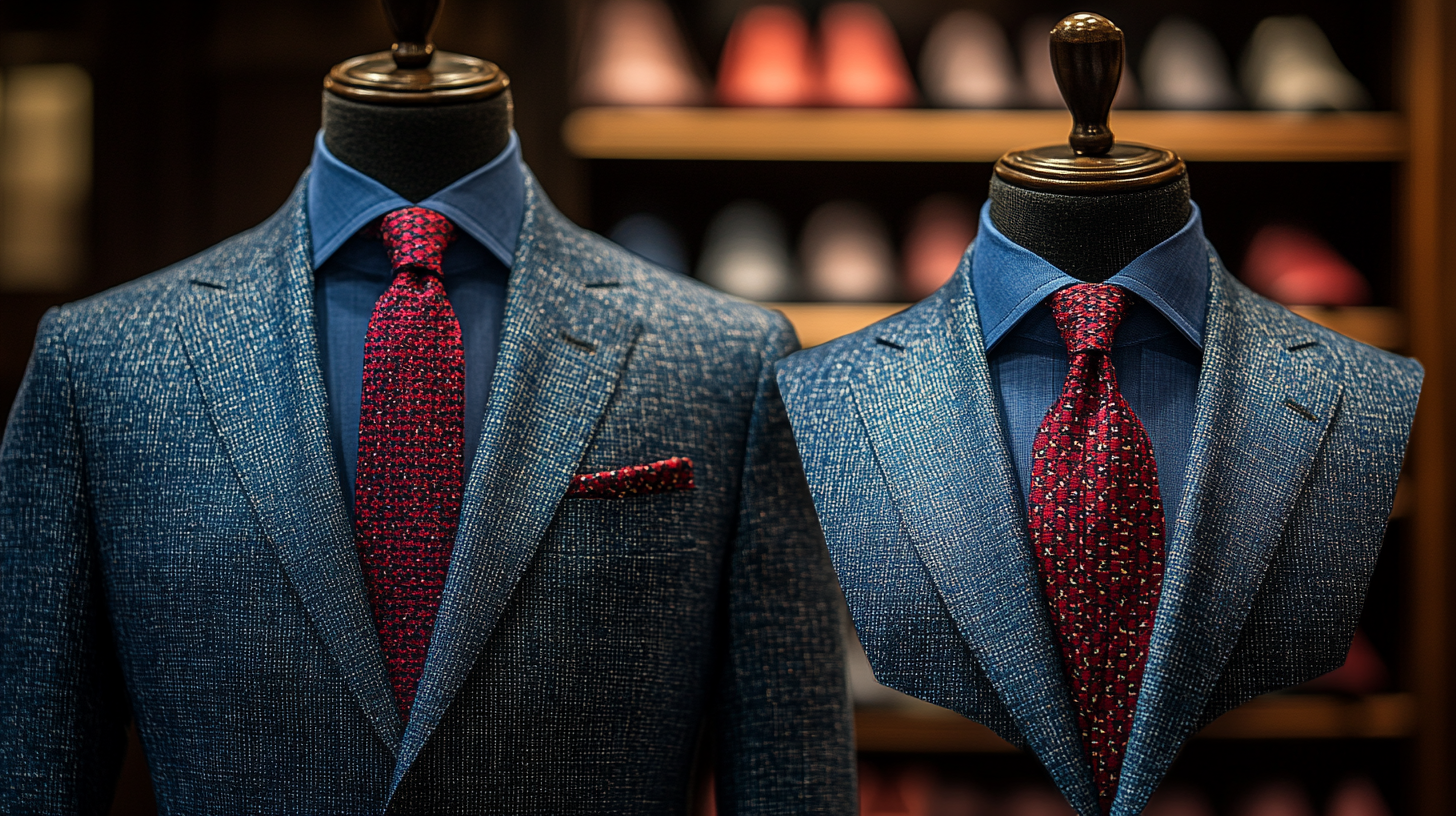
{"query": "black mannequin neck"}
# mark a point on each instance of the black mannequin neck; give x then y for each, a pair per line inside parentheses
(416, 151)
(1090, 238)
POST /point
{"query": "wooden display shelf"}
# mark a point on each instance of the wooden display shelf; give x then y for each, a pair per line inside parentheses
(924, 728)
(765, 134)
(818, 323)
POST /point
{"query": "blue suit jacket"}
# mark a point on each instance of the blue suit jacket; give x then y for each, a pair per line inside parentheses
(1298, 440)
(171, 518)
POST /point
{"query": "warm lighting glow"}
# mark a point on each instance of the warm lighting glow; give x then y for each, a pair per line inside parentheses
(45, 175)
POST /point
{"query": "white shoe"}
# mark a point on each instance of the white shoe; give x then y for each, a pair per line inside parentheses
(846, 254)
(966, 63)
(634, 54)
(1184, 68)
(1289, 64)
(746, 253)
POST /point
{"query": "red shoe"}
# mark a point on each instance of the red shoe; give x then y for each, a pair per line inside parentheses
(941, 228)
(635, 55)
(1358, 797)
(1297, 267)
(768, 60)
(864, 66)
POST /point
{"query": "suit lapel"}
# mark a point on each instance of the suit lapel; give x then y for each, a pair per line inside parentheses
(561, 355)
(1259, 421)
(927, 402)
(249, 336)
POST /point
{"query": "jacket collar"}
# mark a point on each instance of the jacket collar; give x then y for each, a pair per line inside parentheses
(1266, 400)
(562, 352)
(923, 392)
(928, 382)
(248, 327)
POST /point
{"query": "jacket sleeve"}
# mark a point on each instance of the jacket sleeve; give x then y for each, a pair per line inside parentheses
(62, 712)
(783, 723)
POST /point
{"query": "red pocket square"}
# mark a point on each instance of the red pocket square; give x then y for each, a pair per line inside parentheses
(634, 480)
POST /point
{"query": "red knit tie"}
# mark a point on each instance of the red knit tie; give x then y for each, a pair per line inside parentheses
(411, 434)
(1097, 528)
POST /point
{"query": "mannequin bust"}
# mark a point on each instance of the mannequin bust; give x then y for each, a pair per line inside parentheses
(1091, 207)
(415, 119)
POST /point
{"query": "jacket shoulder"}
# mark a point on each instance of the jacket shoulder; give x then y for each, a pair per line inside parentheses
(825, 369)
(129, 309)
(1360, 366)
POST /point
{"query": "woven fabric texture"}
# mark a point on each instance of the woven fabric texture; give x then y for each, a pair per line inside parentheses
(174, 544)
(1299, 435)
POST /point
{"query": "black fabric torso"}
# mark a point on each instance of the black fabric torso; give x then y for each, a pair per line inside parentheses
(1090, 237)
(416, 151)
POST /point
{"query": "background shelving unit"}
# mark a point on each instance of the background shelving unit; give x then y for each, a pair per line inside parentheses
(967, 136)
(1388, 164)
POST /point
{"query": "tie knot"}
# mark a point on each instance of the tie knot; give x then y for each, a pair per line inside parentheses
(1088, 315)
(415, 237)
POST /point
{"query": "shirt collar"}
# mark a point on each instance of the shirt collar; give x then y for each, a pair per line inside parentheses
(1010, 280)
(488, 204)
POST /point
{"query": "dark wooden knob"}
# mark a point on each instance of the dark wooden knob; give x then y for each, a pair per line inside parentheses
(412, 21)
(1087, 54)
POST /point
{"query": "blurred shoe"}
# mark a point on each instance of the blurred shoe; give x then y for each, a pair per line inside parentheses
(941, 227)
(846, 254)
(635, 55)
(651, 238)
(746, 253)
(1363, 672)
(1296, 267)
(1178, 802)
(768, 60)
(1183, 68)
(863, 65)
(1035, 802)
(960, 799)
(1276, 799)
(966, 63)
(1357, 797)
(1040, 82)
(1289, 64)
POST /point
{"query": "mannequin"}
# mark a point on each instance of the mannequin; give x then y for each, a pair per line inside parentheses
(1090, 207)
(415, 119)
(1090, 238)
(416, 151)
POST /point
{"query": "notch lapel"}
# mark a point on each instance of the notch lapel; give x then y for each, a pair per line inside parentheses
(927, 402)
(561, 356)
(250, 339)
(1260, 418)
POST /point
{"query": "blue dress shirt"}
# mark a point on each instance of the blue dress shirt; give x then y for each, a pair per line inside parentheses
(1157, 351)
(352, 271)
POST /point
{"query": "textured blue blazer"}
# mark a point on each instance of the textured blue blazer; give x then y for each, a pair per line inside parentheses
(174, 546)
(1298, 439)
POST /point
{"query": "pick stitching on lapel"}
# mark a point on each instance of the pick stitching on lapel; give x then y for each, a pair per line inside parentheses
(933, 422)
(561, 356)
(1261, 415)
(254, 350)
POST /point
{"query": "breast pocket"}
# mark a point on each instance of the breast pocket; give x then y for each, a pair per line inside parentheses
(660, 522)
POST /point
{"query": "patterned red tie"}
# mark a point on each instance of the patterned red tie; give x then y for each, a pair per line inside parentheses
(1097, 528)
(411, 435)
